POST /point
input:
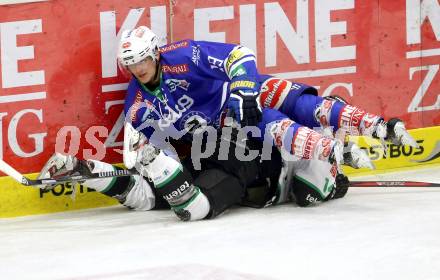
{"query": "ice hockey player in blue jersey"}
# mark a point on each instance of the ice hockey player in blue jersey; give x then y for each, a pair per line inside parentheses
(184, 90)
(188, 85)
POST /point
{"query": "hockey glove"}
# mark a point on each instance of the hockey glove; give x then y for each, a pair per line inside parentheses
(355, 157)
(244, 108)
(243, 104)
(341, 187)
(342, 184)
(137, 151)
(60, 165)
(394, 131)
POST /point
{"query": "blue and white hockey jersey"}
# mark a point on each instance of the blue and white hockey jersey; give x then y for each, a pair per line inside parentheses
(196, 80)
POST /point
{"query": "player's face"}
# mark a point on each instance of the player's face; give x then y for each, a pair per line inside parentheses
(144, 70)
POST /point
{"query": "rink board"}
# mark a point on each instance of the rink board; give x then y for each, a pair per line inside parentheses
(59, 72)
(403, 156)
(60, 81)
(17, 200)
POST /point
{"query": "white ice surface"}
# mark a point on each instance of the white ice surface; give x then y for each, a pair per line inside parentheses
(369, 234)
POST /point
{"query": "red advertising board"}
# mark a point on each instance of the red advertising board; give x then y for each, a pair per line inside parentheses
(381, 55)
(59, 77)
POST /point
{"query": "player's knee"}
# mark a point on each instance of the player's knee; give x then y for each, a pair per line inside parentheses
(305, 194)
(184, 197)
(196, 208)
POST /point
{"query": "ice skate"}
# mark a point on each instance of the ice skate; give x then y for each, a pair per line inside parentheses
(355, 157)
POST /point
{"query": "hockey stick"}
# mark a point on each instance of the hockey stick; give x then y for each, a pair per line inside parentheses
(10, 171)
(393, 184)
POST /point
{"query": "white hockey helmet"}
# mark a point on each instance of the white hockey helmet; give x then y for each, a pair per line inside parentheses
(136, 45)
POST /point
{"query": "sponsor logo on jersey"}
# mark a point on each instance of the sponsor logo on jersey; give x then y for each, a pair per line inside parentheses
(311, 199)
(137, 104)
(273, 92)
(304, 142)
(195, 55)
(173, 84)
(233, 57)
(242, 84)
(279, 130)
(178, 192)
(350, 119)
(238, 71)
(175, 69)
(174, 46)
(135, 107)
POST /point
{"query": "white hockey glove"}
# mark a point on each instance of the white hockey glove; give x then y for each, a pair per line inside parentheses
(394, 131)
(356, 157)
(60, 165)
(137, 152)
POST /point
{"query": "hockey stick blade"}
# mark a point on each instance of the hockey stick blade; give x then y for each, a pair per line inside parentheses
(10, 171)
(393, 184)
